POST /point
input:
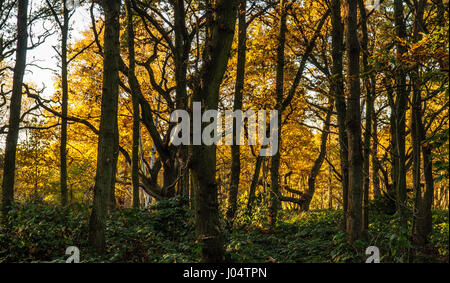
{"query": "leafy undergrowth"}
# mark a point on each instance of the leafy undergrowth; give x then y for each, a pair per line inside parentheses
(39, 233)
(165, 233)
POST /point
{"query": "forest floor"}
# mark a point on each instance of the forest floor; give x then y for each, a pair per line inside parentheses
(165, 234)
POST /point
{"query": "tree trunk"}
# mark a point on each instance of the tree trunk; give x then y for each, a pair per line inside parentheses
(9, 166)
(353, 123)
(182, 49)
(375, 160)
(215, 59)
(112, 192)
(369, 106)
(254, 184)
(330, 188)
(423, 221)
(108, 125)
(240, 79)
(400, 111)
(275, 202)
(169, 178)
(135, 155)
(337, 87)
(64, 106)
(390, 188)
(136, 109)
(429, 187)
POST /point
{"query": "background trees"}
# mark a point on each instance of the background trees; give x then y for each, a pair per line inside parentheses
(367, 132)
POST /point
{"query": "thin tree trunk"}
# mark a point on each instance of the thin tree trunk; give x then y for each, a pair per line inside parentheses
(275, 202)
(254, 184)
(369, 106)
(240, 78)
(416, 120)
(353, 122)
(390, 188)
(136, 109)
(330, 188)
(375, 160)
(182, 49)
(135, 155)
(429, 187)
(108, 126)
(9, 166)
(112, 192)
(64, 106)
(401, 106)
(337, 86)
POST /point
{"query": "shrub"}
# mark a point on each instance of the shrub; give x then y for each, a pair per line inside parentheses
(36, 231)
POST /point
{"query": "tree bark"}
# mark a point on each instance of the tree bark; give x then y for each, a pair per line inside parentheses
(182, 49)
(215, 59)
(400, 112)
(337, 87)
(112, 192)
(108, 126)
(240, 79)
(390, 188)
(368, 80)
(375, 160)
(275, 202)
(170, 174)
(64, 106)
(353, 124)
(429, 187)
(136, 109)
(9, 166)
(254, 184)
(423, 202)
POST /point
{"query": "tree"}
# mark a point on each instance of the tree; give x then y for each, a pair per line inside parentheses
(283, 102)
(9, 165)
(275, 161)
(240, 78)
(337, 87)
(221, 24)
(108, 125)
(353, 124)
(417, 133)
(308, 195)
(136, 109)
(401, 105)
(63, 25)
(65, 97)
(421, 143)
(369, 83)
(173, 159)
